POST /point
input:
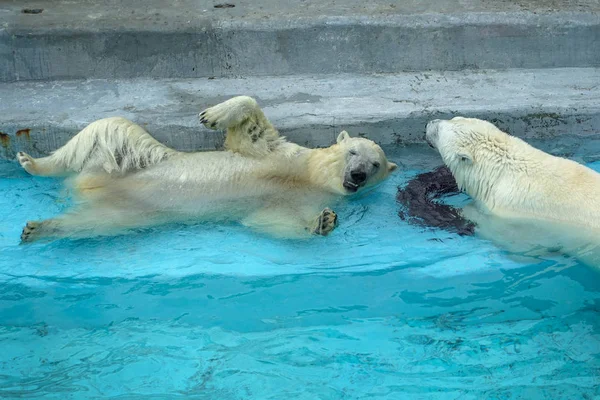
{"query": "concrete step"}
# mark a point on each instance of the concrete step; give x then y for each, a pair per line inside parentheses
(110, 39)
(38, 117)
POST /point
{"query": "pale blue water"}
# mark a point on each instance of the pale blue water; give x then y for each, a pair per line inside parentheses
(378, 310)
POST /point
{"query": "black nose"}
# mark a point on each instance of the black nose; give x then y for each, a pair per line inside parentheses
(358, 176)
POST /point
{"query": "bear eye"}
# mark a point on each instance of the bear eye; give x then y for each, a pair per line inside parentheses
(376, 164)
(463, 158)
(352, 152)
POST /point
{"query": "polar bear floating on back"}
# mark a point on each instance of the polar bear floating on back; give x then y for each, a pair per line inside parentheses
(127, 179)
(524, 198)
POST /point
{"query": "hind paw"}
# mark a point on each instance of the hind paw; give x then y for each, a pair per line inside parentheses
(326, 222)
(30, 231)
(27, 162)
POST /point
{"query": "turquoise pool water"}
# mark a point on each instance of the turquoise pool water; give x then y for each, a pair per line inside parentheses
(378, 310)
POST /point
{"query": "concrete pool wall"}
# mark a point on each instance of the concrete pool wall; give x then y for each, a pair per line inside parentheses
(380, 69)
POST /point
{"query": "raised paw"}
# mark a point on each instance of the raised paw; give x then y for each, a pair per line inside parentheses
(211, 118)
(326, 222)
(30, 231)
(27, 162)
(228, 113)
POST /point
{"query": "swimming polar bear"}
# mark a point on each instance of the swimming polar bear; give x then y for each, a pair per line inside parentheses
(127, 179)
(525, 199)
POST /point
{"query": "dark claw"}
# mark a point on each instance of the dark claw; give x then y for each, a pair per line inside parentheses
(213, 124)
(202, 113)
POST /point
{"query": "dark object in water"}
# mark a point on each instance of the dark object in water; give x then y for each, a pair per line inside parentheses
(421, 208)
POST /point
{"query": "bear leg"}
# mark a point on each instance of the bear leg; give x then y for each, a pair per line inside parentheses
(44, 166)
(248, 131)
(291, 222)
(35, 230)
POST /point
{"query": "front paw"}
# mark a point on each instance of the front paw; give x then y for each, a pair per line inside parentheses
(229, 113)
(326, 222)
(212, 118)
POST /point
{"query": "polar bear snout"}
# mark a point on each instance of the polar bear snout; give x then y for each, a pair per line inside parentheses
(432, 133)
(355, 179)
(358, 176)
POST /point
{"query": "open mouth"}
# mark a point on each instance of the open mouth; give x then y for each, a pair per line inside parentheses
(350, 186)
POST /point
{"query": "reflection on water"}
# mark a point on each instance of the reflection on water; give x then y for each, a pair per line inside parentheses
(379, 309)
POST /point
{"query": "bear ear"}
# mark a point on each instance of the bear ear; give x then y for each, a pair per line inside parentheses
(392, 166)
(464, 157)
(342, 136)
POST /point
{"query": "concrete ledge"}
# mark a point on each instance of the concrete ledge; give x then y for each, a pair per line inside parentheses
(392, 109)
(188, 39)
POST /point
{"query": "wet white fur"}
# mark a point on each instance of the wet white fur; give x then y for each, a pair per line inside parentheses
(111, 144)
(127, 179)
(520, 189)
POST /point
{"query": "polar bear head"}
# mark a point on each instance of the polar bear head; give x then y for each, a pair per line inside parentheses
(364, 163)
(478, 154)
